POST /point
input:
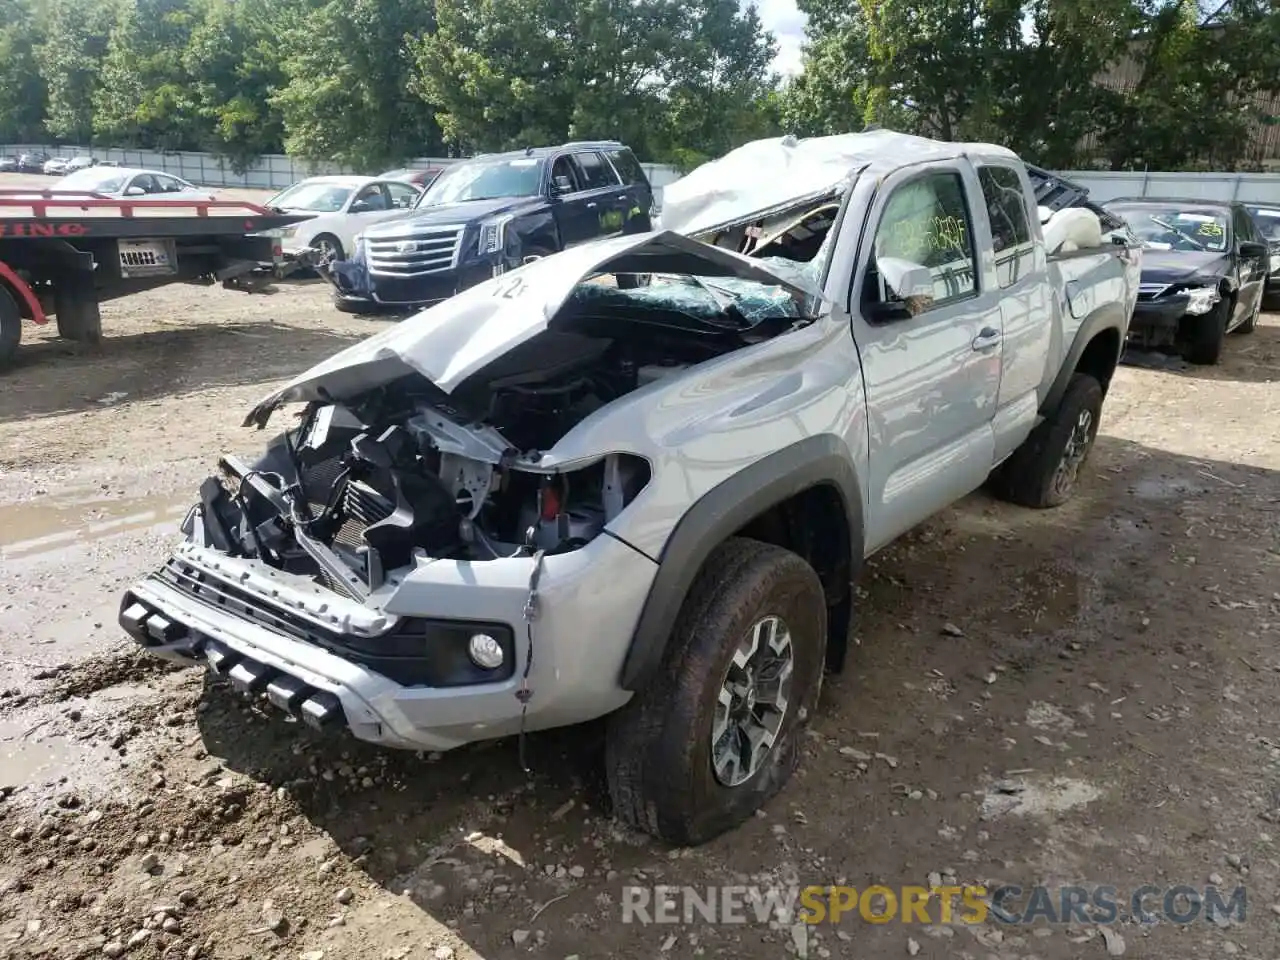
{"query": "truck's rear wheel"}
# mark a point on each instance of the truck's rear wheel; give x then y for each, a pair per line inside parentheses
(10, 327)
(1044, 471)
(76, 308)
(717, 732)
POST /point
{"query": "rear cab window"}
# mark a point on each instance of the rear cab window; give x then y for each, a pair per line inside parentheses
(596, 173)
(1010, 221)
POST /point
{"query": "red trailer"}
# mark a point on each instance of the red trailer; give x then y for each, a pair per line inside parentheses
(62, 254)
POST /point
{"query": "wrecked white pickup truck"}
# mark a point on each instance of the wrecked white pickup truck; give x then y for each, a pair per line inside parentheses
(549, 499)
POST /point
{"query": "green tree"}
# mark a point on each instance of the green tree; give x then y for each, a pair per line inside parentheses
(69, 61)
(1050, 98)
(145, 96)
(22, 89)
(1192, 104)
(829, 96)
(660, 75)
(346, 94)
(235, 73)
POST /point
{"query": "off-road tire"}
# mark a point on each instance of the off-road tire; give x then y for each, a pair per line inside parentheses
(1207, 335)
(1251, 322)
(10, 327)
(1028, 477)
(658, 747)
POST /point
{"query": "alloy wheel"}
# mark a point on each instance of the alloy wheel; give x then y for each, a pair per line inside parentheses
(1073, 456)
(753, 701)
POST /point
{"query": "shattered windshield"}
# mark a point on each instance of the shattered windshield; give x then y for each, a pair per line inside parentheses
(1177, 227)
(315, 197)
(721, 302)
(485, 180)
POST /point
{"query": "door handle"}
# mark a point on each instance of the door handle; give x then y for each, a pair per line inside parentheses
(591, 205)
(986, 339)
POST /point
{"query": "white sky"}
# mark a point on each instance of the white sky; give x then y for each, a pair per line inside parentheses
(787, 24)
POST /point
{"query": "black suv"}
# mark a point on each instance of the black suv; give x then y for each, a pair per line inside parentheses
(489, 214)
(1204, 267)
(1268, 221)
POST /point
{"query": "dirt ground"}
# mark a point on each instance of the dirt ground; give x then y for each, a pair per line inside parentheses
(1083, 696)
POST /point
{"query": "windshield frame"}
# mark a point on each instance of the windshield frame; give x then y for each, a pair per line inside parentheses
(1170, 211)
(315, 185)
(455, 172)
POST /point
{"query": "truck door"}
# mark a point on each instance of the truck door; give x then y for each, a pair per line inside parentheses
(1026, 306)
(928, 333)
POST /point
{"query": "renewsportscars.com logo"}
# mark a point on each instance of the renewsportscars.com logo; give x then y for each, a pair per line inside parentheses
(969, 904)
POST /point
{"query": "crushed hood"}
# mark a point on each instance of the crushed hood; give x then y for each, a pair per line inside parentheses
(451, 341)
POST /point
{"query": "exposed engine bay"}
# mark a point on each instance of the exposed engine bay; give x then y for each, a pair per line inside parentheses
(406, 473)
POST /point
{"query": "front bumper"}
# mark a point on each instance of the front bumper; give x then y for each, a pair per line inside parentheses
(1156, 322)
(588, 605)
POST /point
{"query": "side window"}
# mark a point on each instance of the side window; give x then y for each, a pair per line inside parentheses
(563, 170)
(370, 198)
(595, 172)
(923, 248)
(1244, 227)
(168, 184)
(628, 167)
(402, 194)
(1010, 225)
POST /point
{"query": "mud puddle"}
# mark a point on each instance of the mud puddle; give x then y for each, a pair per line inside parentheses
(32, 528)
(29, 759)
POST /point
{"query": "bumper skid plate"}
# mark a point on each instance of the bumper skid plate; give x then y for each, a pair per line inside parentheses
(152, 630)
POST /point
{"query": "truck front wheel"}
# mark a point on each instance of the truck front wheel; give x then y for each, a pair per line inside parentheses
(1044, 471)
(10, 327)
(717, 731)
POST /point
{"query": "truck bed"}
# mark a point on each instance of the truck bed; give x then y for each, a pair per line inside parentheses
(44, 215)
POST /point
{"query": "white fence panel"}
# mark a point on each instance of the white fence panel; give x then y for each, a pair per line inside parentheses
(1259, 188)
(270, 172)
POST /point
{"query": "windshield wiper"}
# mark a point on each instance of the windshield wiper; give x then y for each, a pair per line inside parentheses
(1172, 229)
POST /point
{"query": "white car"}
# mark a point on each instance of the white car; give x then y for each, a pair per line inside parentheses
(55, 166)
(126, 183)
(342, 206)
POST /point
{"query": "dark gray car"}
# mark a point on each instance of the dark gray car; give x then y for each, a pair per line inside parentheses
(1267, 220)
(1203, 270)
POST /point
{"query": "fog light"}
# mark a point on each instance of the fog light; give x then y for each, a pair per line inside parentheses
(485, 651)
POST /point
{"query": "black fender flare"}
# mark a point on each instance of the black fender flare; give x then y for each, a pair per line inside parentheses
(719, 514)
(1107, 317)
